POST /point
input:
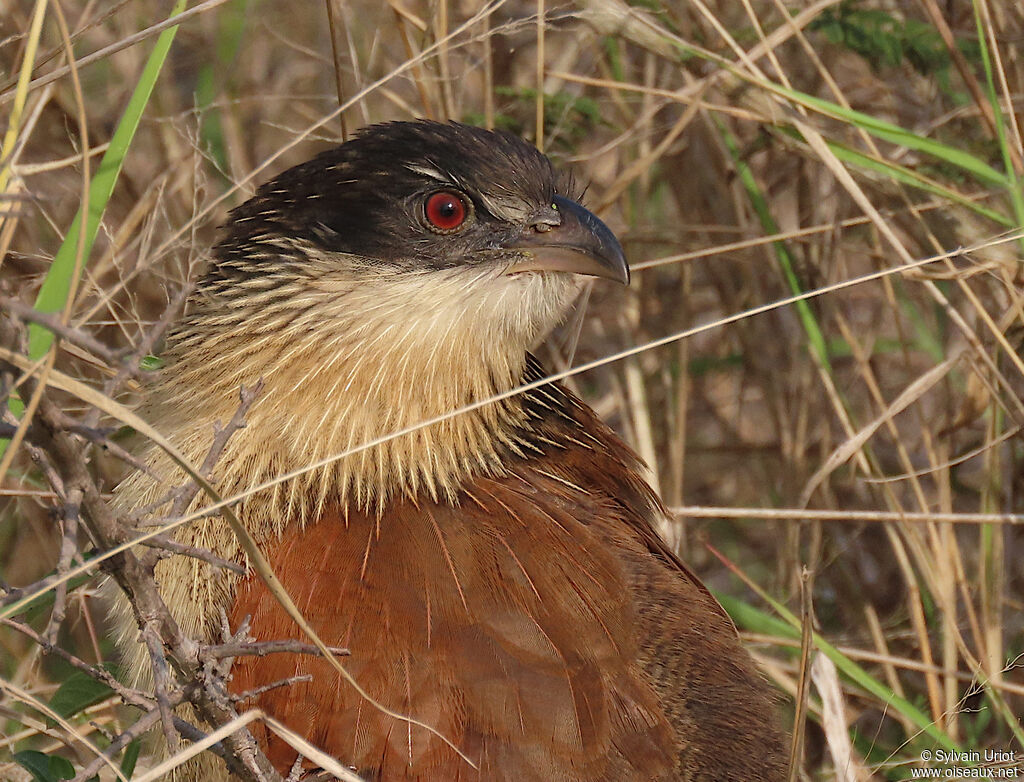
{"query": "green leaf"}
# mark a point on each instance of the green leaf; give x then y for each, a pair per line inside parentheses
(78, 692)
(45, 768)
(151, 363)
(131, 757)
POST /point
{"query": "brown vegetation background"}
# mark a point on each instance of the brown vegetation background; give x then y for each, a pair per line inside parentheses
(872, 430)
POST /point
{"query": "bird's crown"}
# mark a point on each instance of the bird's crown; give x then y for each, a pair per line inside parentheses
(371, 197)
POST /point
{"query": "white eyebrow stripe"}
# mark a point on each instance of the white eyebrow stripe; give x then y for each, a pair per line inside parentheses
(511, 208)
(504, 203)
(430, 173)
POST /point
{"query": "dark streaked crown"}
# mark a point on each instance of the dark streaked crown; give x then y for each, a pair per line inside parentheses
(365, 198)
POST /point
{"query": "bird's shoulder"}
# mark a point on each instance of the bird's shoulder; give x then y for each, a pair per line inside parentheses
(524, 622)
(595, 469)
(504, 620)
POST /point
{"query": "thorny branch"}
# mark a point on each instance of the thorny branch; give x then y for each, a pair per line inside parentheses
(51, 322)
(60, 446)
(144, 701)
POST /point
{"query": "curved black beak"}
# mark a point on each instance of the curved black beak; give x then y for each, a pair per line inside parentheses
(574, 241)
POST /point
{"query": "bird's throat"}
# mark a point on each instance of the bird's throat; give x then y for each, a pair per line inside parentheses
(368, 394)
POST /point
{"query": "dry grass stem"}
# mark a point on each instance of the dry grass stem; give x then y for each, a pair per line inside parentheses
(821, 358)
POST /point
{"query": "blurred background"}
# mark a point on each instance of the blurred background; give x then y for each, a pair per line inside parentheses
(850, 459)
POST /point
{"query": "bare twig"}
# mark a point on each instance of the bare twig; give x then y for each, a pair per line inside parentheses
(52, 322)
(173, 546)
(153, 335)
(129, 695)
(187, 493)
(173, 653)
(263, 648)
(68, 551)
(137, 729)
(255, 693)
(162, 685)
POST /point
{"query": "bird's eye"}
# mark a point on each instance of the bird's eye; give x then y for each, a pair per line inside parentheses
(445, 211)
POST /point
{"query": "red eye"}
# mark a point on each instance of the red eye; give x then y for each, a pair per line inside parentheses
(446, 211)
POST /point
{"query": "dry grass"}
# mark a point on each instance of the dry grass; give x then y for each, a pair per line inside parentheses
(874, 426)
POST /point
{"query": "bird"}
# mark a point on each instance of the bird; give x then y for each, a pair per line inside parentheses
(493, 569)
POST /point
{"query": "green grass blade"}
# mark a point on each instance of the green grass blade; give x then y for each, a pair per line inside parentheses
(886, 131)
(878, 128)
(56, 287)
(215, 78)
(1013, 183)
(912, 178)
(748, 617)
(54, 291)
(814, 334)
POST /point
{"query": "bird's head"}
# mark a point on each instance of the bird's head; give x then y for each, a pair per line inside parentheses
(440, 220)
(417, 197)
(406, 272)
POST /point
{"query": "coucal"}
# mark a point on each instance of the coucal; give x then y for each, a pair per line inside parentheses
(495, 575)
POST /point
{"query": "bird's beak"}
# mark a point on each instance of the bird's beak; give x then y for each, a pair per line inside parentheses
(579, 244)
